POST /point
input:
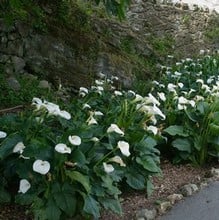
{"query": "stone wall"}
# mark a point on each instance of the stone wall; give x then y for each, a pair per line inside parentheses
(187, 27)
(115, 48)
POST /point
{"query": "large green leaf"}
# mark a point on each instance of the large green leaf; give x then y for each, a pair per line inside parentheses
(112, 204)
(52, 210)
(8, 144)
(176, 130)
(135, 180)
(108, 185)
(147, 146)
(66, 201)
(91, 206)
(79, 157)
(214, 129)
(148, 163)
(182, 144)
(78, 177)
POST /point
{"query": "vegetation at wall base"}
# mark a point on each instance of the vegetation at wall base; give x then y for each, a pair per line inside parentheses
(74, 158)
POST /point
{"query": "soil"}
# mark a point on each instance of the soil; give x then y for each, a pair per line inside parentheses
(173, 178)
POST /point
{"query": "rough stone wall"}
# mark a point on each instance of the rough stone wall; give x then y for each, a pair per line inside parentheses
(187, 27)
(55, 55)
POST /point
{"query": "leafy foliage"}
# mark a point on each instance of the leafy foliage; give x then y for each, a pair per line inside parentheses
(72, 163)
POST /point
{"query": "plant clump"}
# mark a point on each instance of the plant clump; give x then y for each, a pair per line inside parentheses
(73, 159)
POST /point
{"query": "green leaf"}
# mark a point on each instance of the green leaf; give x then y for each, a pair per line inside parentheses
(182, 144)
(52, 210)
(108, 185)
(135, 180)
(148, 163)
(4, 196)
(79, 157)
(91, 206)
(6, 147)
(66, 202)
(83, 180)
(147, 145)
(24, 199)
(112, 204)
(214, 129)
(176, 130)
(202, 107)
(150, 188)
(191, 115)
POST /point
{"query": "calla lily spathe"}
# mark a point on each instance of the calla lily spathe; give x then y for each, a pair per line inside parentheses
(92, 121)
(153, 129)
(74, 140)
(42, 167)
(115, 128)
(62, 149)
(118, 159)
(52, 108)
(3, 134)
(124, 148)
(24, 186)
(19, 148)
(108, 168)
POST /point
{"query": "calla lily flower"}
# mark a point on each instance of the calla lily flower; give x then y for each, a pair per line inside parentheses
(161, 96)
(74, 140)
(65, 114)
(98, 113)
(95, 139)
(117, 93)
(19, 148)
(138, 98)
(92, 121)
(151, 99)
(42, 167)
(171, 87)
(3, 134)
(118, 159)
(115, 128)
(52, 108)
(124, 148)
(62, 149)
(83, 91)
(86, 106)
(108, 168)
(153, 129)
(24, 186)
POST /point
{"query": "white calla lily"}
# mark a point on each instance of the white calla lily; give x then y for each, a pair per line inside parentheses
(86, 106)
(108, 168)
(92, 121)
(161, 96)
(153, 129)
(19, 148)
(62, 149)
(83, 90)
(124, 148)
(117, 93)
(115, 128)
(74, 140)
(65, 114)
(98, 113)
(3, 134)
(42, 167)
(24, 186)
(118, 159)
(151, 99)
(95, 139)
